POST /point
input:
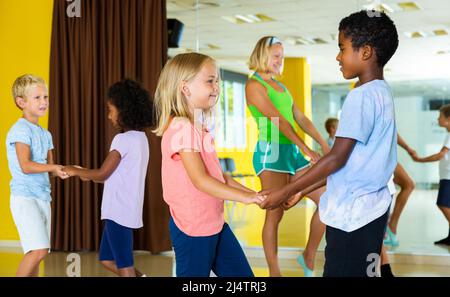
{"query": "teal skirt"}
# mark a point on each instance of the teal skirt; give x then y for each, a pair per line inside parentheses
(278, 157)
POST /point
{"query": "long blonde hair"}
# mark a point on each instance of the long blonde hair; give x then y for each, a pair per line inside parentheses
(169, 100)
(259, 59)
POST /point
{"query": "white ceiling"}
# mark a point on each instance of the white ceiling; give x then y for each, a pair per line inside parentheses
(416, 59)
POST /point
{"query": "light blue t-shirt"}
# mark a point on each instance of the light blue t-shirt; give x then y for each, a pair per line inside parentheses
(330, 141)
(35, 185)
(358, 193)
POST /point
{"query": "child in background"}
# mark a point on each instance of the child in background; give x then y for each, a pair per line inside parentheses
(443, 200)
(123, 171)
(194, 185)
(29, 150)
(331, 125)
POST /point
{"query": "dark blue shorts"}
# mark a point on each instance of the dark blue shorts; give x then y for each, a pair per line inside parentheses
(198, 256)
(352, 254)
(444, 193)
(117, 244)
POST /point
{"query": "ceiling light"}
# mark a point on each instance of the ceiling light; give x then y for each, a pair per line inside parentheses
(248, 18)
(408, 6)
(386, 8)
(440, 32)
(415, 34)
(212, 46)
(319, 41)
(244, 18)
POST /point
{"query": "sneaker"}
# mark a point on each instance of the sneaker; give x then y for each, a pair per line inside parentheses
(391, 238)
(306, 271)
(445, 241)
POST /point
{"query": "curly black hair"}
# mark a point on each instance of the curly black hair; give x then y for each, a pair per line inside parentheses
(133, 104)
(373, 28)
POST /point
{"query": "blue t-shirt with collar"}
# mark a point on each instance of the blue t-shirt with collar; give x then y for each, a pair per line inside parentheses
(36, 185)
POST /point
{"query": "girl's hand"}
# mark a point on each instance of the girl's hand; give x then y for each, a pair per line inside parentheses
(59, 172)
(82, 178)
(412, 152)
(415, 157)
(313, 155)
(70, 170)
(255, 198)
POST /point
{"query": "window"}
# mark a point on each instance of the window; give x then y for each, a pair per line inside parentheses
(230, 125)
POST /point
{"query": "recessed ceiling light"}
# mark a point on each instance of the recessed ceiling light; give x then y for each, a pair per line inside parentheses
(264, 18)
(248, 18)
(386, 8)
(319, 41)
(408, 6)
(233, 20)
(244, 18)
(299, 40)
(415, 34)
(212, 46)
(443, 52)
(440, 32)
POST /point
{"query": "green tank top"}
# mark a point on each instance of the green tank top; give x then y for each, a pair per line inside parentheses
(283, 102)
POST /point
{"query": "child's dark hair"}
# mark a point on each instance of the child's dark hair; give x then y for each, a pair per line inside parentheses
(133, 104)
(330, 122)
(372, 28)
(445, 110)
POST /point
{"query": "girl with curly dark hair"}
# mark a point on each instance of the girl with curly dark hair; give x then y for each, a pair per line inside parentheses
(123, 172)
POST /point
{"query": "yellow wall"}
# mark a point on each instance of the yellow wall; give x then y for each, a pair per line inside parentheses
(25, 35)
(294, 227)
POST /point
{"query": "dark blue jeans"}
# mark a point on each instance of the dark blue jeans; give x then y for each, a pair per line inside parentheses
(198, 256)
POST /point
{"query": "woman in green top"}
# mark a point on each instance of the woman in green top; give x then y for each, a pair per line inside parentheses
(277, 159)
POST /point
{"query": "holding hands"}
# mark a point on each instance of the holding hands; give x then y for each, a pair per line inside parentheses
(413, 154)
(253, 197)
(59, 172)
(276, 198)
(73, 170)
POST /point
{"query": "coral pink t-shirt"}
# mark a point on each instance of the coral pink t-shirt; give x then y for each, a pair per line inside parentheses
(194, 212)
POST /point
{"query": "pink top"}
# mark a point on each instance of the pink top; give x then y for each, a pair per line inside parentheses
(194, 212)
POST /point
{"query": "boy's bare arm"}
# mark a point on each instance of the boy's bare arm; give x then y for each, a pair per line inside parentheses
(23, 152)
(330, 163)
(432, 158)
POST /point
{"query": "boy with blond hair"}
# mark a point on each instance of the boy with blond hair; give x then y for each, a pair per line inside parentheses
(30, 158)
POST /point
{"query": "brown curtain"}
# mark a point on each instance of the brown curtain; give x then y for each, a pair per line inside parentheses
(112, 40)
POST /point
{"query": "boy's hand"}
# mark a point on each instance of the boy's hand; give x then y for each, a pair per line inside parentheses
(274, 199)
(59, 172)
(293, 201)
